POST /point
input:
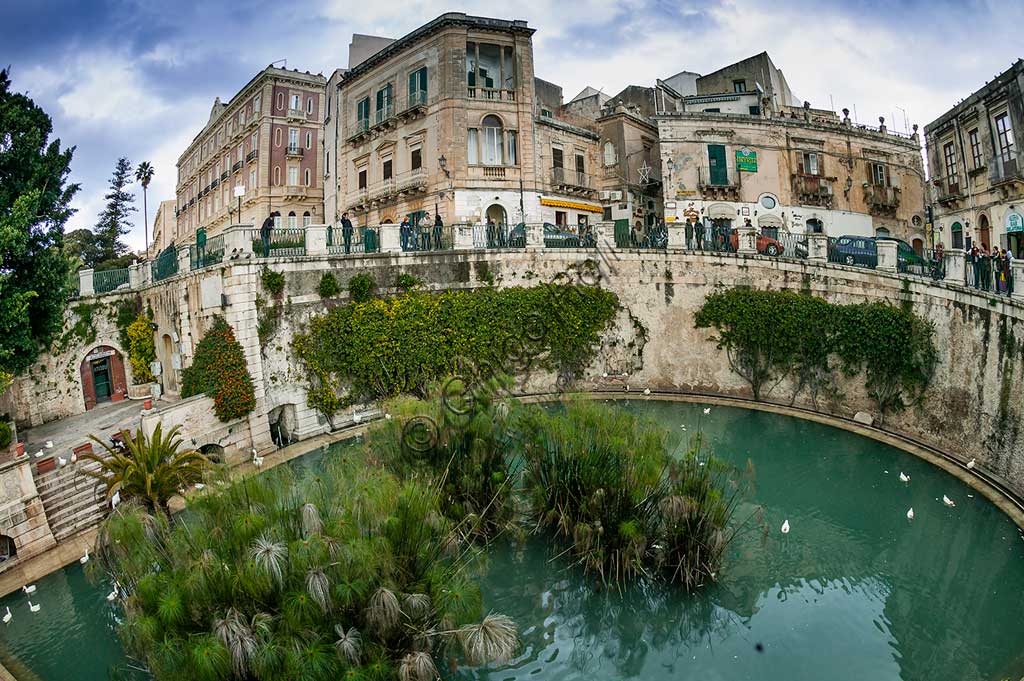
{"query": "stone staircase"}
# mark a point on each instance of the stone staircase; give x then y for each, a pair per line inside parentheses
(73, 501)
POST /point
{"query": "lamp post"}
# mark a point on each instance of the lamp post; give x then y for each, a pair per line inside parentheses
(239, 193)
(442, 163)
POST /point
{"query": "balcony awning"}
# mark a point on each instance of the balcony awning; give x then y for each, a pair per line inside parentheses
(769, 221)
(575, 205)
(721, 210)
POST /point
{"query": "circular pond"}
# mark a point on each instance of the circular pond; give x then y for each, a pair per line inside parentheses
(854, 591)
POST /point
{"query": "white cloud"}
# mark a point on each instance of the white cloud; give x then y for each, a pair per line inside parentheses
(106, 89)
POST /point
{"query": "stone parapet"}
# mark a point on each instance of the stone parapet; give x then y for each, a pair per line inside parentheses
(887, 259)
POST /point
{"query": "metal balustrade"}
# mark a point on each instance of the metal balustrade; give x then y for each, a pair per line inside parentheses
(282, 242)
(165, 265)
(110, 280)
(415, 238)
(362, 240)
(211, 253)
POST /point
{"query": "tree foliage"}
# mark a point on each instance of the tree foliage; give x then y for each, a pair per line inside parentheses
(384, 347)
(35, 200)
(219, 370)
(141, 348)
(771, 336)
(113, 221)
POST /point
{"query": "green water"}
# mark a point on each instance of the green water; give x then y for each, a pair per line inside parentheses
(854, 591)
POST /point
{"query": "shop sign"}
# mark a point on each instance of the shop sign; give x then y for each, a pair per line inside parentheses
(1014, 222)
(746, 161)
(99, 355)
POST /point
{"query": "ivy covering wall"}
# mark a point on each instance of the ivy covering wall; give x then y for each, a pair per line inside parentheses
(141, 349)
(771, 336)
(384, 347)
(219, 371)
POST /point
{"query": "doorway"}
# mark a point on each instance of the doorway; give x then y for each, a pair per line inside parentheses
(102, 381)
(496, 214)
(718, 173)
(984, 236)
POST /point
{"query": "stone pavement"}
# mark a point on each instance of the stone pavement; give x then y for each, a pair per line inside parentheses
(103, 421)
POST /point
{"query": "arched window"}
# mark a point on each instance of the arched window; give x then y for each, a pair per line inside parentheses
(309, 105)
(306, 177)
(491, 142)
(291, 219)
(277, 175)
(307, 219)
(609, 154)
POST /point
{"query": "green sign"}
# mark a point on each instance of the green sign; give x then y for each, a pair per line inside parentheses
(1014, 222)
(746, 161)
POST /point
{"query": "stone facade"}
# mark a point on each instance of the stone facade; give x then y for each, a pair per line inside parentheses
(812, 169)
(267, 140)
(22, 517)
(976, 165)
(165, 227)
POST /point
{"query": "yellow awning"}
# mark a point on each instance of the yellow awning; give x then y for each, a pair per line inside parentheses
(558, 203)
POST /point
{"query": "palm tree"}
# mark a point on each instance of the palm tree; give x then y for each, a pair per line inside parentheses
(151, 470)
(144, 174)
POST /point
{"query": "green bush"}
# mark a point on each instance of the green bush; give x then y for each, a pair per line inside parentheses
(272, 281)
(382, 348)
(5, 435)
(769, 336)
(407, 281)
(329, 287)
(141, 349)
(219, 370)
(360, 287)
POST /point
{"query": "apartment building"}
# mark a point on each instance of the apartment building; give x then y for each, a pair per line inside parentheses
(976, 164)
(165, 227)
(448, 119)
(259, 154)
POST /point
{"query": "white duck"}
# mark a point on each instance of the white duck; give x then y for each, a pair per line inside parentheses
(84, 559)
(8, 616)
(33, 608)
(904, 477)
(910, 513)
(257, 460)
(29, 588)
(971, 464)
(647, 391)
(74, 457)
(62, 461)
(707, 410)
(785, 526)
(947, 501)
(113, 594)
(49, 444)
(39, 453)
(200, 486)
(115, 500)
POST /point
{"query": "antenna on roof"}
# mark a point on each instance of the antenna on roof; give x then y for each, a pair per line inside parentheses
(283, 62)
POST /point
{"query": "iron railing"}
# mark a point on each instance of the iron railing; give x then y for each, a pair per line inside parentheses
(362, 240)
(499, 236)
(776, 244)
(110, 280)
(282, 242)
(211, 253)
(570, 177)
(165, 265)
(416, 238)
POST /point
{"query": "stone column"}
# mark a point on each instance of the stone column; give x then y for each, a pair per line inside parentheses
(534, 236)
(390, 239)
(1017, 275)
(676, 235)
(955, 262)
(135, 276)
(238, 241)
(85, 285)
(886, 255)
(184, 259)
(747, 240)
(316, 240)
(605, 234)
(463, 235)
(817, 247)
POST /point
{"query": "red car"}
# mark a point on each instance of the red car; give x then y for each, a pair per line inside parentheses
(765, 244)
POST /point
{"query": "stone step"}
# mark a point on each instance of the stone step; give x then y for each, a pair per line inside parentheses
(67, 504)
(77, 517)
(83, 522)
(69, 476)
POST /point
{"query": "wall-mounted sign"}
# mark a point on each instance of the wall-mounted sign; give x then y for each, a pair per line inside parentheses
(746, 160)
(100, 355)
(1014, 222)
(745, 210)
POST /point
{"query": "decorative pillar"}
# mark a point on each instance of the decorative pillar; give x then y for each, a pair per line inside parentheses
(676, 235)
(85, 283)
(534, 236)
(184, 259)
(390, 241)
(135, 276)
(463, 235)
(747, 237)
(238, 241)
(955, 262)
(886, 255)
(817, 247)
(316, 240)
(1017, 279)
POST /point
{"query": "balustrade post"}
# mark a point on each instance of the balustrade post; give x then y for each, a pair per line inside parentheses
(135, 275)
(955, 262)
(886, 250)
(390, 241)
(238, 241)
(1017, 280)
(184, 258)
(316, 240)
(463, 235)
(676, 234)
(747, 240)
(85, 283)
(817, 247)
(534, 236)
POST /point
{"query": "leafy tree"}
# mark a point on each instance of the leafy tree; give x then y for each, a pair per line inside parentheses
(112, 223)
(151, 470)
(34, 206)
(144, 174)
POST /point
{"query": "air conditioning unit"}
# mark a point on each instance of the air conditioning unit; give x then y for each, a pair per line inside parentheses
(825, 189)
(616, 196)
(606, 196)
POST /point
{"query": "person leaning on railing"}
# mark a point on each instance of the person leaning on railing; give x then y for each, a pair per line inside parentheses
(346, 232)
(438, 228)
(265, 231)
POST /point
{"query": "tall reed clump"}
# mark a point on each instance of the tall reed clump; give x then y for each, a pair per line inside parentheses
(345, 574)
(460, 441)
(606, 481)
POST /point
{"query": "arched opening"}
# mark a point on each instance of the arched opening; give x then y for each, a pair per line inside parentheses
(103, 378)
(8, 551)
(307, 219)
(282, 424)
(492, 141)
(984, 233)
(609, 154)
(291, 219)
(957, 231)
(881, 231)
(213, 452)
(815, 226)
(918, 245)
(496, 214)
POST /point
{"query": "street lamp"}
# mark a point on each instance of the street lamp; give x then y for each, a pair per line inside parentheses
(442, 163)
(239, 193)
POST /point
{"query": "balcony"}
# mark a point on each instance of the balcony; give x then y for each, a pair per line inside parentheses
(360, 131)
(294, 151)
(882, 200)
(491, 93)
(412, 182)
(236, 167)
(299, 114)
(384, 116)
(571, 181)
(383, 192)
(215, 183)
(360, 200)
(813, 190)
(295, 191)
(224, 176)
(718, 188)
(252, 156)
(948, 190)
(1005, 172)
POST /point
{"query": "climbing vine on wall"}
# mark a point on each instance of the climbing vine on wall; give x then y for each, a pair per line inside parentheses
(82, 331)
(141, 349)
(384, 347)
(769, 336)
(219, 370)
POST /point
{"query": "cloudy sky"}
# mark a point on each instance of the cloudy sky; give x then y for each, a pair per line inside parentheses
(137, 77)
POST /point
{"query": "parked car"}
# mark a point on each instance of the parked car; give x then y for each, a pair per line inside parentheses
(765, 244)
(854, 250)
(554, 236)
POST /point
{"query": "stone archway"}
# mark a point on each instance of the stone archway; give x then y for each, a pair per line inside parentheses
(103, 378)
(984, 233)
(8, 549)
(496, 213)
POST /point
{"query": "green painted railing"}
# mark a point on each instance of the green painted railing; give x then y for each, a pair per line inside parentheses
(211, 253)
(110, 280)
(283, 242)
(166, 264)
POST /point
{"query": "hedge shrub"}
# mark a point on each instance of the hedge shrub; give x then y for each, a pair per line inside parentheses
(328, 287)
(141, 349)
(385, 347)
(360, 287)
(219, 371)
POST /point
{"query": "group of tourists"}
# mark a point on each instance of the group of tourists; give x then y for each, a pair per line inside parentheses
(991, 270)
(423, 234)
(707, 237)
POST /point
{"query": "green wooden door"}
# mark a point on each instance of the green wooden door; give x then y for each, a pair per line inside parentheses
(719, 174)
(101, 379)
